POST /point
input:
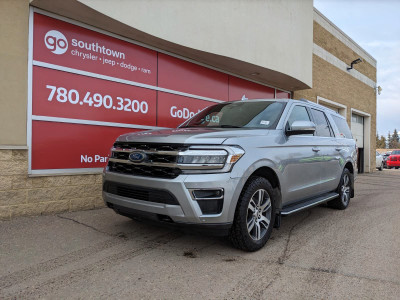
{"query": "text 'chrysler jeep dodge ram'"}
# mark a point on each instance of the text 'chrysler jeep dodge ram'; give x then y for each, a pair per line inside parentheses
(235, 168)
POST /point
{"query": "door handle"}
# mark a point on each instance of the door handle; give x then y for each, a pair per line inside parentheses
(315, 149)
(338, 149)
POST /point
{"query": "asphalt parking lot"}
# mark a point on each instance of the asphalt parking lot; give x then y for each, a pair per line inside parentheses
(320, 253)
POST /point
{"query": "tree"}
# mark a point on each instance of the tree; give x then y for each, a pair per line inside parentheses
(380, 142)
(395, 136)
(383, 142)
(394, 140)
(389, 138)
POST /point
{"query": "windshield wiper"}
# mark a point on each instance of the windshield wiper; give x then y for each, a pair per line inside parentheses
(229, 126)
(220, 126)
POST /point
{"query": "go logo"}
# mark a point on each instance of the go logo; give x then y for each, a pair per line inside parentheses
(56, 42)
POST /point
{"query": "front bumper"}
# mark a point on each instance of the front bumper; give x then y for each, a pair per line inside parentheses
(393, 163)
(188, 212)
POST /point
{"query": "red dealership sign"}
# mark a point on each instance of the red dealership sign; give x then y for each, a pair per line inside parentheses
(65, 146)
(180, 75)
(282, 95)
(89, 87)
(66, 95)
(240, 89)
(67, 45)
(173, 110)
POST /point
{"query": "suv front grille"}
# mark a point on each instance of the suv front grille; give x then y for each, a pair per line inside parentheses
(154, 158)
(160, 159)
(140, 193)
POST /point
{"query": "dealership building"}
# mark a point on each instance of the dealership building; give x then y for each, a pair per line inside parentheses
(75, 74)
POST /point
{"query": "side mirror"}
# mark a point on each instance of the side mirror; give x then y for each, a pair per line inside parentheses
(301, 127)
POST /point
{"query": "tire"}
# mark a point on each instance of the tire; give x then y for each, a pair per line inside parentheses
(345, 190)
(396, 168)
(254, 215)
(381, 167)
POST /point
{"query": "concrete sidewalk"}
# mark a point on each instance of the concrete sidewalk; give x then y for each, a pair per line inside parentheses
(319, 253)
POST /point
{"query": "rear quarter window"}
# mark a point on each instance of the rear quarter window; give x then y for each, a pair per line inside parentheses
(344, 130)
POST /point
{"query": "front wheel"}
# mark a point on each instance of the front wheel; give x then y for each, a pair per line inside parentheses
(344, 190)
(254, 215)
(381, 167)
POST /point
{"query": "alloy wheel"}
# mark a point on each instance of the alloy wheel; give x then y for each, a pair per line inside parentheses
(259, 213)
(345, 189)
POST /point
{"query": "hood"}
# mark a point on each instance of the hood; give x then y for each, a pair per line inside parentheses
(211, 136)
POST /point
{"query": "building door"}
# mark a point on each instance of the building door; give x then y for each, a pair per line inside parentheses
(357, 129)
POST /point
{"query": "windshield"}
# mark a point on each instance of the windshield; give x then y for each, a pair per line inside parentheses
(395, 152)
(257, 114)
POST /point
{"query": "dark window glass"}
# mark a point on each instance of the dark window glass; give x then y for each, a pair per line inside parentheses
(323, 127)
(344, 130)
(299, 113)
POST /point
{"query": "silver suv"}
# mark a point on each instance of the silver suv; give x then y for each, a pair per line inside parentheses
(235, 168)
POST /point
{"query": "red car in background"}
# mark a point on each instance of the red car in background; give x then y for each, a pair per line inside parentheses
(394, 160)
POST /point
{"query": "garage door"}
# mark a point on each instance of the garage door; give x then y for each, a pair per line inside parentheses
(357, 129)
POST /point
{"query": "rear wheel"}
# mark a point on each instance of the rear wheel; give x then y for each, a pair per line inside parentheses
(344, 190)
(381, 167)
(254, 215)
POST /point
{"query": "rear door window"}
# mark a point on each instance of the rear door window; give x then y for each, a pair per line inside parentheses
(323, 127)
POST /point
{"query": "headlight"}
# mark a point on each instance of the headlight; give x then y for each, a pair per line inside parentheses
(218, 159)
(203, 157)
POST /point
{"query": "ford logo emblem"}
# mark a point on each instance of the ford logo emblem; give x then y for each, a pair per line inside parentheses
(137, 156)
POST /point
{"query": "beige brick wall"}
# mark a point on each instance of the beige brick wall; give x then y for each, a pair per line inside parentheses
(21, 195)
(13, 71)
(330, 43)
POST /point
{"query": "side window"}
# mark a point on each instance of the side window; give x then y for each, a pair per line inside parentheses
(323, 127)
(299, 113)
(344, 130)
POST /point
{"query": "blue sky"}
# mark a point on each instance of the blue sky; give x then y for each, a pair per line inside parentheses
(375, 26)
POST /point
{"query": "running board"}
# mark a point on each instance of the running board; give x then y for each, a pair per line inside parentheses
(293, 208)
